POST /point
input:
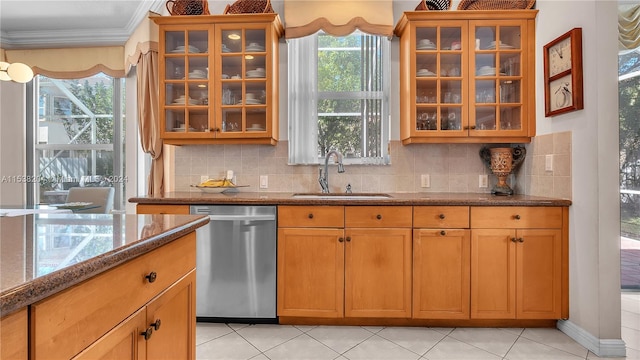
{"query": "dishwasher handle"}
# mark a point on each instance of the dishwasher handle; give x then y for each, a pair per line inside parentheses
(268, 217)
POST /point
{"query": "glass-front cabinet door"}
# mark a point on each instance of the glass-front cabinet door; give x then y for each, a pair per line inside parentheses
(243, 79)
(185, 71)
(219, 78)
(467, 76)
(497, 84)
(438, 73)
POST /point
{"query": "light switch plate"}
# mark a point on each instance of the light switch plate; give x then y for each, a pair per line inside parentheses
(264, 181)
(483, 181)
(425, 181)
(548, 163)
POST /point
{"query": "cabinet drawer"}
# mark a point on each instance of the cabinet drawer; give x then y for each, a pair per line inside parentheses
(516, 217)
(311, 216)
(441, 217)
(162, 209)
(66, 323)
(378, 216)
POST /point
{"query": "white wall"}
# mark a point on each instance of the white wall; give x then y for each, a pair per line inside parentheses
(132, 158)
(594, 239)
(12, 143)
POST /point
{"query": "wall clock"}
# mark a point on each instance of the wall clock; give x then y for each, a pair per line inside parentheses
(563, 74)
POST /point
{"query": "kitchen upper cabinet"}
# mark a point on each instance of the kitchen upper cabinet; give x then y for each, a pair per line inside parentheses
(467, 76)
(219, 78)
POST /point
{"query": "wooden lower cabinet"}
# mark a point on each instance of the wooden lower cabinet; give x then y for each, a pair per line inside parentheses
(172, 315)
(122, 342)
(422, 265)
(14, 335)
(493, 274)
(441, 262)
(441, 273)
(336, 272)
(166, 321)
(378, 273)
(517, 273)
(162, 209)
(105, 317)
(311, 272)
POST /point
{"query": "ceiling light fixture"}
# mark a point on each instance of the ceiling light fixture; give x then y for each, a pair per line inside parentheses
(234, 36)
(17, 72)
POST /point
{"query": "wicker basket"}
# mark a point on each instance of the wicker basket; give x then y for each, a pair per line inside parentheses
(434, 5)
(249, 7)
(188, 7)
(496, 4)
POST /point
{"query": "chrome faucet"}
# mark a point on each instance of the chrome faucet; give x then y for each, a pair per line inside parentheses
(323, 179)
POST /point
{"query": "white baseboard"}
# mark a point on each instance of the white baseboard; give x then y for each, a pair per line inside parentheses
(600, 347)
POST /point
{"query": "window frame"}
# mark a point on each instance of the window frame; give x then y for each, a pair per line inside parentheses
(303, 129)
(116, 146)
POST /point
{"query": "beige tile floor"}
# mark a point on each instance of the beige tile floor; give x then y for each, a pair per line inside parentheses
(280, 342)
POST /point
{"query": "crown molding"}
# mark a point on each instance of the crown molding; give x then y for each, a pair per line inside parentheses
(79, 37)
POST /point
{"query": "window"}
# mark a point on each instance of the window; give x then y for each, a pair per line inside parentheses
(77, 137)
(339, 98)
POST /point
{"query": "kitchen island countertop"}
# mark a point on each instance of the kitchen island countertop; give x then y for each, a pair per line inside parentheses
(43, 254)
(197, 197)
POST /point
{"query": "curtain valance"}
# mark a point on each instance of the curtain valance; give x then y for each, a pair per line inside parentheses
(71, 63)
(338, 17)
(80, 62)
(629, 27)
(143, 40)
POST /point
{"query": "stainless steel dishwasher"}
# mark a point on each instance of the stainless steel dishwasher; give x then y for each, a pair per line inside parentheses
(236, 264)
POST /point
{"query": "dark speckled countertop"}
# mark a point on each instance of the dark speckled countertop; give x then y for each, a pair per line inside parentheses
(43, 254)
(423, 198)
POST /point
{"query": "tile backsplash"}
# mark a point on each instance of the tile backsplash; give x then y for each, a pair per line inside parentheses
(535, 179)
(451, 168)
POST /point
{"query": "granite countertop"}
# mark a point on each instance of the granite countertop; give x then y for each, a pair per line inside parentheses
(43, 254)
(196, 197)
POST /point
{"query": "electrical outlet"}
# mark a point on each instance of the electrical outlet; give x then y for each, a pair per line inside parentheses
(203, 178)
(264, 181)
(548, 163)
(425, 181)
(483, 181)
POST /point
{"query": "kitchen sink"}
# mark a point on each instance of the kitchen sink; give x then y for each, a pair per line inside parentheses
(341, 196)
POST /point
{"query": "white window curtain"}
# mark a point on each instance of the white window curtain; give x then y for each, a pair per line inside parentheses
(629, 27)
(303, 88)
(304, 97)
